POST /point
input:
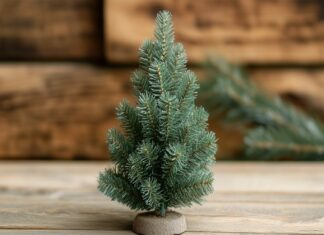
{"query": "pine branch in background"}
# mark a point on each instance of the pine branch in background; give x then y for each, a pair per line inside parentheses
(278, 129)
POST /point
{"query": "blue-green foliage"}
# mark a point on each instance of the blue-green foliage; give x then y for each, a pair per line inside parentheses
(163, 156)
(276, 129)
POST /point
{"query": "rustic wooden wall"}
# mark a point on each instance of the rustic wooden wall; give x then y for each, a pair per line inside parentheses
(58, 110)
(245, 31)
(50, 29)
(58, 107)
(63, 110)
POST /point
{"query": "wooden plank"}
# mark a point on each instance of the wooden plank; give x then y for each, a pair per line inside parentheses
(252, 31)
(83, 232)
(74, 214)
(63, 110)
(253, 196)
(86, 232)
(89, 232)
(47, 29)
(63, 232)
(287, 178)
(58, 110)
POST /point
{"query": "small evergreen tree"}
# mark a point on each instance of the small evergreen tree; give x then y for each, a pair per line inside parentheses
(163, 156)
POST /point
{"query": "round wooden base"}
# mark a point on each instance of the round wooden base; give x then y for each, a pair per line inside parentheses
(150, 224)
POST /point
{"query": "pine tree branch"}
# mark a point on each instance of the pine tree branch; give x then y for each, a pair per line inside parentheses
(203, 152)
(175, 160)
(152, 193)
(128, 116)
(187, 91)
(285, 131)
(119, 146)
(140, 82)
(191, 189)
(297, 148)
(148, 112)
(159, 79)
(265, 142)
(168, 119)
(146, 55)
(178, 61)
(118, 188)
(142, 163)
(164, 34)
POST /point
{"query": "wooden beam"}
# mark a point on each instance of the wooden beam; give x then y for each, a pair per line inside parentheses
(47, 30)
(63, 110)
(58, 110)
(245, 31)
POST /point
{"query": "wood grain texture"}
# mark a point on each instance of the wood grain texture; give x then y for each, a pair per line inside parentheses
(260, 198)
(85, 232)
(63, 110)
(58, 110)
(47, 29)
(245, 31)
(89, 232)
(63, 232)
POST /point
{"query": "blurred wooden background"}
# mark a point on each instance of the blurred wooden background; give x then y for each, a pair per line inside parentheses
(65, 64)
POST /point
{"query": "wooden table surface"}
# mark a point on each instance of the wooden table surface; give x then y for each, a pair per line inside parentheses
(250, 198)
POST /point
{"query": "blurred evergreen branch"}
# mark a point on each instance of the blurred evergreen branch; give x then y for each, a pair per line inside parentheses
(277, 129)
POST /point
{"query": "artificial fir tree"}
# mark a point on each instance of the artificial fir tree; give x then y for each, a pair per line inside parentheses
(162, 158)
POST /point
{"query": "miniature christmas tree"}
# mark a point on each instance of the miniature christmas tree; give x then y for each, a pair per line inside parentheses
(162, 158)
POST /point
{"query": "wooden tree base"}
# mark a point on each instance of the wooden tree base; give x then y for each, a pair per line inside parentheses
(150, 224)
